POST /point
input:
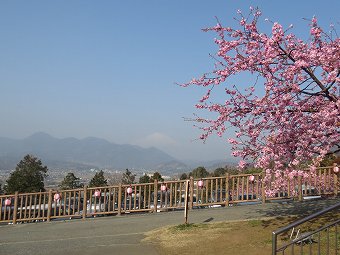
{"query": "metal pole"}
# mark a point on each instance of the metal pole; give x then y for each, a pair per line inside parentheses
(274, 244)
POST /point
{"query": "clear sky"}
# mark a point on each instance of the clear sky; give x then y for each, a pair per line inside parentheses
(108, 69)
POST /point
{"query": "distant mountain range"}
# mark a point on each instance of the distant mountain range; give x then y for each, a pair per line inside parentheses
(91, 152)
(85, 153)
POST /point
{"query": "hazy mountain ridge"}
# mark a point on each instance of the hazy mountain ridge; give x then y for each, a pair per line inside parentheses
(84, 153)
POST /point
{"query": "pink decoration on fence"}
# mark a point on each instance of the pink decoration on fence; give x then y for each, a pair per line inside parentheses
(251, 178)
(200, 184)
(7, 202)
(336, 169)
(129, 190)
(163, 187)
(97, 193)
(56, 197)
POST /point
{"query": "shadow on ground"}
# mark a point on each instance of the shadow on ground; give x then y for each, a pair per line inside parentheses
(296, 210)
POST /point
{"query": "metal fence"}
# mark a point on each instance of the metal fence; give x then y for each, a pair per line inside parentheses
(315, 234)
(161, 196)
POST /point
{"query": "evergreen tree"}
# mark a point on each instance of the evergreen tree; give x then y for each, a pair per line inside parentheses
(156, 176)
(70, 182)
(98, 180)
(128, 177)
(199, 172)
(219, 172)
(183, 176)
(28, 176)
(144, 179)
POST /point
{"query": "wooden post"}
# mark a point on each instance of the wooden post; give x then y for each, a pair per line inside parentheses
(335, 180)
(300, 187)
(49, 205)
(263, 188)
(191, 186)
(85, 203)
(186, 200)
(15, 210)
(155, 196)
(335, 184)
(227, 190)
(120, 199)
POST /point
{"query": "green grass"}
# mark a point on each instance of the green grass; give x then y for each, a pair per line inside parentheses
(254, 223)
(183, 227)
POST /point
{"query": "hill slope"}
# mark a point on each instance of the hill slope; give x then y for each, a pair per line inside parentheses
(80, 153)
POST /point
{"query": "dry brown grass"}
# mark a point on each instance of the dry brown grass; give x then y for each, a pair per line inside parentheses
(243, 237)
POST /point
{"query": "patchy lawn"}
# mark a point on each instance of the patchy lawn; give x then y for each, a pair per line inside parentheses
(241, 238)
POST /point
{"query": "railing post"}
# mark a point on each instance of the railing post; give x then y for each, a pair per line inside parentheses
(263, 188)
(274, 243)
(191, 186)
(155, 195)
(300, 187)
(335, 174)
(49, 205)
(85, 203)
(335, 184)
(227, 190)
(186, 202)
(120, 199)
(15, 210)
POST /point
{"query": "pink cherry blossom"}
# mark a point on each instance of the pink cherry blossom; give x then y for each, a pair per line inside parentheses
(242, 164)
(290, 118)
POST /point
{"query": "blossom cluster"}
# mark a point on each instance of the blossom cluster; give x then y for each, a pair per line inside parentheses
(291, 116)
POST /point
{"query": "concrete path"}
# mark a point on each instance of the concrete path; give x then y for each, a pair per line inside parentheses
(123, 234)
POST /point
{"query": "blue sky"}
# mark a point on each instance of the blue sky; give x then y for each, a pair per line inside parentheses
(108, 68)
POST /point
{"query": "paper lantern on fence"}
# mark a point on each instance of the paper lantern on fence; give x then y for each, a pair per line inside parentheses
(200, 184)
(56, 197)
(336, 169)
(129, 190)
(251, 178)
(7, 202)
(163, 187)
(97, 193)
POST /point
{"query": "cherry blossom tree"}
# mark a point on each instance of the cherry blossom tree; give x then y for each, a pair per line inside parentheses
(289, 116)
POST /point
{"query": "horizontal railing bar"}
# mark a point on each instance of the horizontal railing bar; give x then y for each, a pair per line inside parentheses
(308, 235)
